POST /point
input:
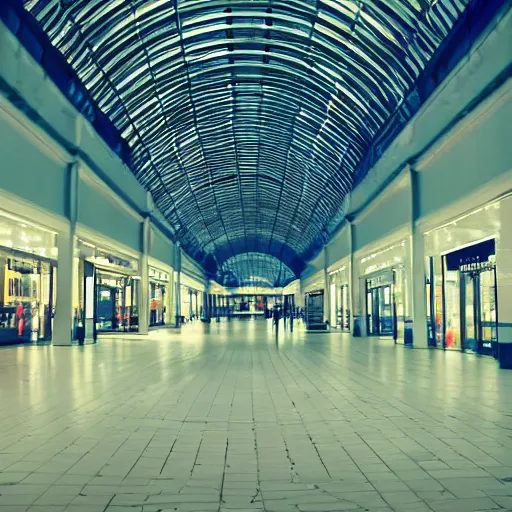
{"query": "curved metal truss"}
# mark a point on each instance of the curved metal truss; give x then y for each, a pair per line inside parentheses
(254, 269)
(247, 119)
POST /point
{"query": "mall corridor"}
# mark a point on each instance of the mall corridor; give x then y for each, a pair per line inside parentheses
(223, 416)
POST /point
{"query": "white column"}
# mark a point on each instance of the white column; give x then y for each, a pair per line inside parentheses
(299, 297)
(416, 273)
(63, 321)
(357, 305)
(327, 295)
(419, 300)
(208, 298)
(504, 284)
(169, 303)
(177, 298)
(144, 277)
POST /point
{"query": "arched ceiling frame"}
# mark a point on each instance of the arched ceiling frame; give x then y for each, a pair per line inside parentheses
(247, 119)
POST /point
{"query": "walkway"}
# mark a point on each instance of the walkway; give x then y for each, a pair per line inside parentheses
(220, 418)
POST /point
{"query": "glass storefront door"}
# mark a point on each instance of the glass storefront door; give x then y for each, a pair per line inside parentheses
(452, 309)
(470, 312)
(372, 302)
(463, 299)
(334, 309)
(314, 313)
(380, 305)
(385, 311)
(343, 310)
(157, 294)
(116, 302)
(479, 306)
(488, 342)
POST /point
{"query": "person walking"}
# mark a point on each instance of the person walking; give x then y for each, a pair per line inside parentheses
(276, 317)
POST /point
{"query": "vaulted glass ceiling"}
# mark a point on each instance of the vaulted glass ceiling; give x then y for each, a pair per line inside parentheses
(247, 119)
(254, 269)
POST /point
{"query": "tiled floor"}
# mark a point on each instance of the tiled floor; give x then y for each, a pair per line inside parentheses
(220, 417)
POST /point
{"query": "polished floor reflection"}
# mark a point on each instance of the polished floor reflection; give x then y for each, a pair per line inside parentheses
(226, 417)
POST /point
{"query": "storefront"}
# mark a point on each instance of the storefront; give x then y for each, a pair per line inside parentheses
(28, 263)
(314, 310)
(381, 316)
(191, 303)
(158, 291)
(462, 299)
(386, 293)
(106, 292)
(461, 280)
(252, 305)
(339, 299)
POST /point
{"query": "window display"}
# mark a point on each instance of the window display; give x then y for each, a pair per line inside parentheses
(158, 281)
(339, 299)
(105, 292)
(464, 299)
(251, 305)
(26, 299)
(116, 302)
(27, 280)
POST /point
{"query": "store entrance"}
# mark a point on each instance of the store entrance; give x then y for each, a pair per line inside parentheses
(380, 311)
(479, 306)
(344, 309)
(27, 296)
(116, 296)
(314, 313)
(463, 303)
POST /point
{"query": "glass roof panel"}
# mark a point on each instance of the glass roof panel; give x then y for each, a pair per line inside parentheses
(247, 119)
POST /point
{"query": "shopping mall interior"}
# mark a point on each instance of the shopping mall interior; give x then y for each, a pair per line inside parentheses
(255, 255)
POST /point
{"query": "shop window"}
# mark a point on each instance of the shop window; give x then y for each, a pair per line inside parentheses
(26, 306)
(463, 299)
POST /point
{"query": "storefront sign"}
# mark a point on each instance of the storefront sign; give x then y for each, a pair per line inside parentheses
(472, 258)
(473, 264)
(380, 280)
(23, 267)
(158, 275)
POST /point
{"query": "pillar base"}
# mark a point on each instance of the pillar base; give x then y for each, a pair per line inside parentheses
(505, 355)
(356, 331)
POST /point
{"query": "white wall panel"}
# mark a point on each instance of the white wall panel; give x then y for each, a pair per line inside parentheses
(161, 248)
(339, 247)
(477, 153)
(102, 214)
(387, 214)
(29, 170)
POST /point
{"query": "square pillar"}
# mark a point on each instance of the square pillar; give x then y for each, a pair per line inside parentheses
(169, 303)
(144, 278)
(419, 299)
(177, 295)
(63, 320)
(356, 304)
(327, 294)
(504, 284)
(417, 272)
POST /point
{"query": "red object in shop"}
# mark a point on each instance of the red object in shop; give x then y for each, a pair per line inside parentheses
(449, 338)
(21, 325)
